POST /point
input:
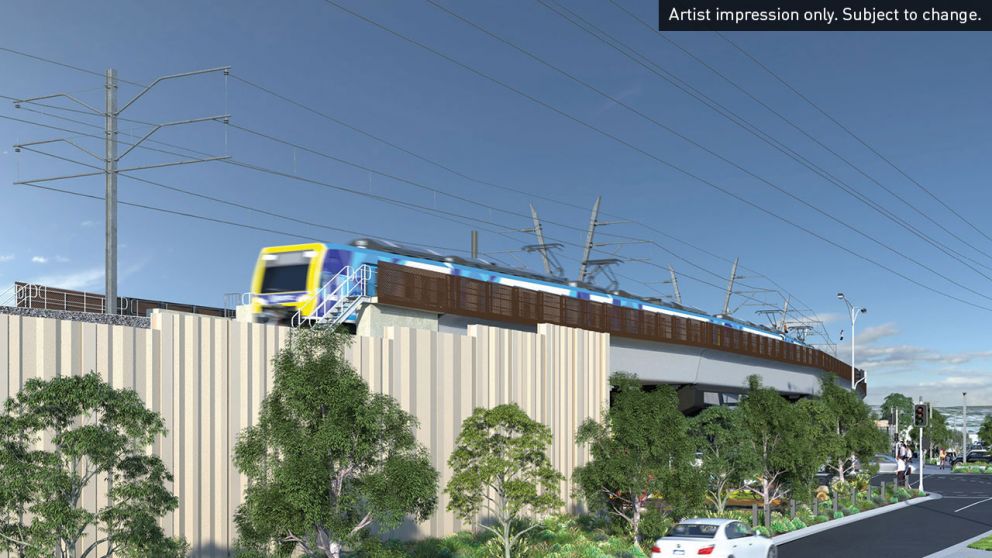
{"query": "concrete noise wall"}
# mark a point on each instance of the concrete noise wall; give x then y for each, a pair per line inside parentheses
(208, 376)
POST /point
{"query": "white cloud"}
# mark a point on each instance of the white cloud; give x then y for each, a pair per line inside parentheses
(874, 333)
(77, 280)
(941, 392)
(6, 257)
(87, 223)
(827, 317)
(39, 259)
(61, 259)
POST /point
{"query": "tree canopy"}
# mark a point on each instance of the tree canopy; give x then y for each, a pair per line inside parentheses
(784, 439)
(642, 449)
(900, 402)
(985, 431)
(93, 434)
(327, 459)
(850, 430)
(501, 467)
(726, 461)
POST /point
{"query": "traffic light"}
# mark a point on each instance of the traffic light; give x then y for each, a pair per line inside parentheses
(920, 415)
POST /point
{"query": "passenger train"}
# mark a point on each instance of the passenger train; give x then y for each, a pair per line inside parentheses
(288, 279)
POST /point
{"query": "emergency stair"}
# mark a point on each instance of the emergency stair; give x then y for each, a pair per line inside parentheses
(337, 299)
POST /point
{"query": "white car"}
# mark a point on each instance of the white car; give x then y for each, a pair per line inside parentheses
(719, 538)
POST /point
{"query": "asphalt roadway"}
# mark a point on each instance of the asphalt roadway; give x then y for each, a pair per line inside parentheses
(914, 531)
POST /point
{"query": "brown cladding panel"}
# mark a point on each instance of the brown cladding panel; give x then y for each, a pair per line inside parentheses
(415, 288)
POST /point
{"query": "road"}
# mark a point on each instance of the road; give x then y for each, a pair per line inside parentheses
(913, 532)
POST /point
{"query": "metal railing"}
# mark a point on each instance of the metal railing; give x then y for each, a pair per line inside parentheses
(30, 295)
(337, 299)
(42, 297)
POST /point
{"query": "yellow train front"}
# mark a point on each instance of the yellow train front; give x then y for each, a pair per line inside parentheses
(286, 281)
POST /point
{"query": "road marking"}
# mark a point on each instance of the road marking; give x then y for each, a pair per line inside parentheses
(975, 504)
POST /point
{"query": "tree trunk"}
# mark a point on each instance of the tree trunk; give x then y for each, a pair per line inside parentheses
(636, 524)
(506, 540)
(334, 550)
(765, 489)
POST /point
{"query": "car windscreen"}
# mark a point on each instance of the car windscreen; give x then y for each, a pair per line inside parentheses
(695, 530)
(283, 278)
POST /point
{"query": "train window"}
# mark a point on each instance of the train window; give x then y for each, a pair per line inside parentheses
(285, 278)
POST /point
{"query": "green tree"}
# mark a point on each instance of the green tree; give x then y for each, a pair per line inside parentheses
(726, 461)
(782, 438)
(850, 431)
(936, 433)
(327, 459)
(642, 449)
(898, 402)
(985, 431)
(501, 467)
(91, 434)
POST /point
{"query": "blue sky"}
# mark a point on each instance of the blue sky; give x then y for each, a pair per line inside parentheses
(920, 99)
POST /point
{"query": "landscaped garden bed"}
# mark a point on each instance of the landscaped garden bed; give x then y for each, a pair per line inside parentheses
(973, 469)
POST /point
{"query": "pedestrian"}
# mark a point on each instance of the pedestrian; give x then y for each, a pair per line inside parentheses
(900, 469)
(943, 458)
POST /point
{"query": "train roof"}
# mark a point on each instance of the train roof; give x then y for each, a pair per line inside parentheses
(427, 254)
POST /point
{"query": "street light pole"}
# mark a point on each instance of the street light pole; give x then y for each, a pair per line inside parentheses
(964, 428)
(855, 312)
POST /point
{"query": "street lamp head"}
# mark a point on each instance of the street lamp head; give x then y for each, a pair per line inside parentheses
(864, 310)
(840, 296)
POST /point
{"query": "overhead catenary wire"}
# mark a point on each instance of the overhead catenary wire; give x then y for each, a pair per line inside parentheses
(778, 114)
(557, 201)
(858, 138)
(521, 191)
(308, 238)
(92, 72)
(297, 220)
(671, 165)
(758, 133)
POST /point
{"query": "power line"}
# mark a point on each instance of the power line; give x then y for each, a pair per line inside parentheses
(488, 183)
(62, 64)
(395, 146)
(853, 135)
(748, 127)
(532, 194)
(254, 209)
(213, 219)
(785, 119)
(672, 165)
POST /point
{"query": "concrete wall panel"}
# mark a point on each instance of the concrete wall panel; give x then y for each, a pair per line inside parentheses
(208, 376)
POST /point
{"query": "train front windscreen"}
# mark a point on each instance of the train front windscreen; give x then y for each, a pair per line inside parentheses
(286, 272)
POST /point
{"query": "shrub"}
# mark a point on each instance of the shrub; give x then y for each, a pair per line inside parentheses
(762, 531)
(901, 493)
(782, 526)
(838, 514)
(868, 506)
(798, 524)
(852, 510)
(893, 500)
(654, 525)
(821, 519)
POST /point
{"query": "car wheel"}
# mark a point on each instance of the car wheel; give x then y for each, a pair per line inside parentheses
(772, 551)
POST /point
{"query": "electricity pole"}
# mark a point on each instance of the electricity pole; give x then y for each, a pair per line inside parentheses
(110, 198)
(111, 159)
